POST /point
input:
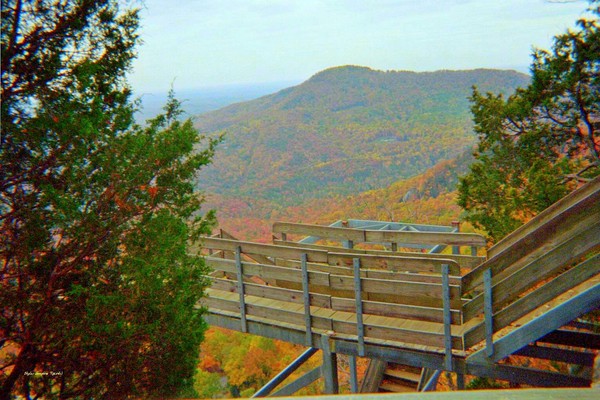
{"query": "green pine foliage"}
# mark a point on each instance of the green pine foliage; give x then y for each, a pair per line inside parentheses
(543, 141)
(97, 283)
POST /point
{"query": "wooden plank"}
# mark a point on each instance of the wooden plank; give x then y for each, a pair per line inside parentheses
(542, 295)
(327, 232)
(403, 375)
(558, 209)
(429, 238)
(270, 271)
(385, 330)
(278, 312)
(372, 273)
(405, 311)
(524, 375)
(573, 338)
(395, 263)
(465, 261)
(380, 236)
(557, 354)
(536, 271)
(256, 257)
(382, 328)
(267, 250)
(383, 286)
(410, 277)
(413, 293)
(314, 267)
(565, 234)
(288, 333)
(574, 218)
(271, 292)
(549, 321)
(395, 388)
(275, 311)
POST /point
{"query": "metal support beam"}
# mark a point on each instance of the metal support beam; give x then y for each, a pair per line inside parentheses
(287, 371)
(329, 368)
(360, 328)
(426, 374)
(432, 382)
(299, 383)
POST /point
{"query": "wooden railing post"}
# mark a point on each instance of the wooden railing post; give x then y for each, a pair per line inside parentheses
(353, 374)
(456, 225)
(306, 297)
(329, 367)
(488, 312)
(240, 284)
(360, 329)
(447, 317)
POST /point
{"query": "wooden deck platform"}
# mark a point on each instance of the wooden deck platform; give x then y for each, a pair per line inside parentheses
(460, 313)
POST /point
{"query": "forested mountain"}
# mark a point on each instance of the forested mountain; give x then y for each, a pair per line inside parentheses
(345, 130)
(428, 198)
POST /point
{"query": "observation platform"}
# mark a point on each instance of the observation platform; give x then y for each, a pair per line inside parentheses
(420, 295)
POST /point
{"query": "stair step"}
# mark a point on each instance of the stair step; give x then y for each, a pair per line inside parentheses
(404, 375)
(396, 388)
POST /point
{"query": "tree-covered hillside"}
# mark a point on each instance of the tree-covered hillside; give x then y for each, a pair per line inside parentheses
(345, 130)
(428, 198)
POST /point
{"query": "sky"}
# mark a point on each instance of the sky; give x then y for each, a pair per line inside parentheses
(194, 44)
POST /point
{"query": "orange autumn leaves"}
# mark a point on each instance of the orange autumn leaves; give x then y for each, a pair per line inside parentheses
(248, 361)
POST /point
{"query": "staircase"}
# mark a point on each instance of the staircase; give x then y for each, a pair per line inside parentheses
(400, 378)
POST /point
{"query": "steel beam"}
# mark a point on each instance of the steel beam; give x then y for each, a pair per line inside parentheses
(287, 371)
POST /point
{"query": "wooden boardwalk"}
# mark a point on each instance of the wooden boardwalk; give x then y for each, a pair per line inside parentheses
(460, 313)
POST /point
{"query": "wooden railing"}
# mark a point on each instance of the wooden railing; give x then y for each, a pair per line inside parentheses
(409, 299)
(395, 238)
(552, 254)
(415, 301)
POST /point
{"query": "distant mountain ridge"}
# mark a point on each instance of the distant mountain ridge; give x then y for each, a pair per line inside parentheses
(345, 130)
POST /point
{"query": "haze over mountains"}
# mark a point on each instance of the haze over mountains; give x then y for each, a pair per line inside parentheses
(202, 100)
(345, 130)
